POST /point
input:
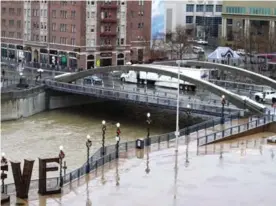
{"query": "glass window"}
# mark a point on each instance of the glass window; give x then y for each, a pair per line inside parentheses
(209, 8)
(189, 19)
(218, 8)
(199, 8)
(190, 8)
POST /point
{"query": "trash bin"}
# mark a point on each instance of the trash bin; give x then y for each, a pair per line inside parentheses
(139, 144)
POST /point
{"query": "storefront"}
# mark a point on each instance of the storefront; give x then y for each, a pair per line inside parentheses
(28, 54)
(73, 62)
(120, 59)
(4, 51)
(106, 59)
(12, 51)
(19, 52)
(62, 59)
(53, 57)
(44, 57)
(90, 61)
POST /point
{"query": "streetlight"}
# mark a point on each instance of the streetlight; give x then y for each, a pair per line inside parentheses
(117, 138)
(103, 140)
(4, 163)
(177, 109)
(88, 145)
(61, 156)
(148, 135)
(222, 108)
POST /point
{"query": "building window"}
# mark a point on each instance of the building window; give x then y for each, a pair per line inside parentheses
(73, 41)
(260, 11)
(11, 23)
(18, 24)
(3, 33)
(189, 8)
(73, 14)
(3, 22)
(189, 19)
(63, 27)
(11, 11)
(209, 8)
(199, 8)
(63, 40)
(54, 14)
(18, 11)
(88, 16)
(236, 10)
(3, 10)
(122, 41)
(54, 27)
(218, 8)
(11, 34)
(73, 28)
(53, 39)
(229, 21)
(18, 35)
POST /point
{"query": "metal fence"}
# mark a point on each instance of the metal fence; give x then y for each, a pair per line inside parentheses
(206, 139)
(137, 97)
(97, 159)
(240, 86)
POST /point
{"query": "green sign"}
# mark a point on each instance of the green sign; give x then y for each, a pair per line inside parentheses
(63, 60)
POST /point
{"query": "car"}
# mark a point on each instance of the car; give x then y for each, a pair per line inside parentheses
(260, 96)
(271, 139)
(93, 80)
(200, 41)
(241, 52)
(270, 98)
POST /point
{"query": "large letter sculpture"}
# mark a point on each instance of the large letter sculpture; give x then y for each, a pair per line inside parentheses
(43, 168)
(4, 167)
(22, 182)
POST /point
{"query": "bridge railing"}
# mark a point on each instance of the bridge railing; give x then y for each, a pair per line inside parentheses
(151, 99)
(98, 160)
(240, 86)
(251, 124)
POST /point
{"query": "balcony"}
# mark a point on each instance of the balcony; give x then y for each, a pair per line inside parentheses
(109, 20)
(109, 6)
(106, 47)
(108, 33)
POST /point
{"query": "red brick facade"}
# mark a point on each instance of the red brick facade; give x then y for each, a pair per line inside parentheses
(58, 29)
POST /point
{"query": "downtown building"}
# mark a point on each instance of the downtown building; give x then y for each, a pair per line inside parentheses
(76, 34)
(249, 25)
(201, 18)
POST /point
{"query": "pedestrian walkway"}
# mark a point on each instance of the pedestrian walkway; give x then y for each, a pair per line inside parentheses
(153, 179)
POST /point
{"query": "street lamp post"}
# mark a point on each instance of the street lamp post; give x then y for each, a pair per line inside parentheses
(61, 156)
(118, 132)
(148, 129)
(177, 109)
(88, 145)
(4, 162)
(103, 140)
(222, 108)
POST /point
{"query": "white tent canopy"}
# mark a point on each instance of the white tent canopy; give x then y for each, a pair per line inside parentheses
(223, 55)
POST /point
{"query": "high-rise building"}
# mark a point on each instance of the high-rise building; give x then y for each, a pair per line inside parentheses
(252, 23)
(201, 17)
(76, 34)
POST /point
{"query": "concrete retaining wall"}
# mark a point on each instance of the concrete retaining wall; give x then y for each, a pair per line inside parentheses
(25, 103)
(22, 107)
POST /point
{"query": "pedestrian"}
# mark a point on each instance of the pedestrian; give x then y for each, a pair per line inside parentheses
(3, 75)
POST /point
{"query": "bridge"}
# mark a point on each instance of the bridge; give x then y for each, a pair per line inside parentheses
(258, 78)
(239, 101)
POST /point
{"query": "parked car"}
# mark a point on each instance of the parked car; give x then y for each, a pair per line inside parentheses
(93, 80)
(260, 96)
(200, 41)
(271, 139)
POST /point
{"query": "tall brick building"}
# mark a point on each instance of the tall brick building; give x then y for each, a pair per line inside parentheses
(76, 34)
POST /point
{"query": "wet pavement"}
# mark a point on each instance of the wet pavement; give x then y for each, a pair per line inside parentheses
(243, 175)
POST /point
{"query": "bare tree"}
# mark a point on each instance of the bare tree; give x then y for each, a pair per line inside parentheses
(177, 42)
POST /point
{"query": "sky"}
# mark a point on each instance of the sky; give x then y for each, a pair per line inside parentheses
(157, 17)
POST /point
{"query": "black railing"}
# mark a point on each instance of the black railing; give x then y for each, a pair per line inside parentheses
(97, 160)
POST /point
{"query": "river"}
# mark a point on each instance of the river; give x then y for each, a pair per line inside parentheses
(42, 134)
